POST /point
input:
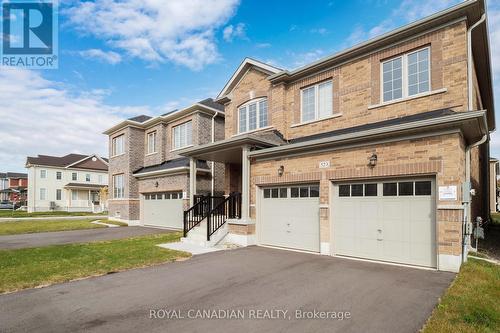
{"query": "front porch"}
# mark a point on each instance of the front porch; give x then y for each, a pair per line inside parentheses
(83, 197)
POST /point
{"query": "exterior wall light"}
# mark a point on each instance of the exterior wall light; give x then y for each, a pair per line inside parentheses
(156, 184)
(372, 161)
(281, 169)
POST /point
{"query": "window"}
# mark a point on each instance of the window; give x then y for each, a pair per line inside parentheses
(390, 189)
(423, 188)
(74, 176)
(117, 145)
(74, 195)
(152, 142)
(58, 194)
(252, 115)
(183, 135)
(370, 190)
(43, 173)
(43, 194)
(405, 188)
(317, 101)
(58, 175)
(344, 190)
(305, 192)
(118, 186)
(99, 177)
(357, 190)
(406, 75)
(87, 177)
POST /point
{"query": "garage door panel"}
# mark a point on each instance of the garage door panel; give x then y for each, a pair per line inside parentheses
(159, 209)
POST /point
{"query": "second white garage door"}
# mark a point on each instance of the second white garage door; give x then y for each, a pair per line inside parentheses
(163, 210)
(386, 220)
(289, 217)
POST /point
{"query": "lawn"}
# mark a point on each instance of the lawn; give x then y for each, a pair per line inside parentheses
(33, 226)
(19, 213)
(27, 268)
(472, 303)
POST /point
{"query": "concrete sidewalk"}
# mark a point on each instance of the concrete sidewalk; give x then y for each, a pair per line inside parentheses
(95, 217)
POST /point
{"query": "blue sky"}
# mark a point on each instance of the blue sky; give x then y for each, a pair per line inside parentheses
(121, 58)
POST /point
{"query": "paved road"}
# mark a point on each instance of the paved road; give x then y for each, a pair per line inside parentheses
(380, 298)
(73, 236)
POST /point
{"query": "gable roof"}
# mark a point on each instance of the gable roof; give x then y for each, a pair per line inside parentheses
(68, 161)
(245, 65)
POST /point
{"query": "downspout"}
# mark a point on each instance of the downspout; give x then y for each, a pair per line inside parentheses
(213, 140)
(467, 205)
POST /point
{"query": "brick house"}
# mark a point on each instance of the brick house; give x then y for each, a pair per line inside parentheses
(149, 181)
(13, 187)
(379, 152)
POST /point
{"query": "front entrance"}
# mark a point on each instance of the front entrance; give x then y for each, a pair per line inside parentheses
(289, 217)
(390, 220)
(163, 209)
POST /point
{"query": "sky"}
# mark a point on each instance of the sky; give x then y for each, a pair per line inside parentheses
(121, 58)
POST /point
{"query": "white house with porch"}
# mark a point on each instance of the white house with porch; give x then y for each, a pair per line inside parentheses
(73, 182)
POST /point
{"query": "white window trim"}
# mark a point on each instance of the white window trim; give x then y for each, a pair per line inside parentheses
(113, 140)
(174, 148)
(400, 100)
(316, 104)
(113, 179)
(257, 110)
(148, 135)
(44, 172)
(335, 115)
(404, 77)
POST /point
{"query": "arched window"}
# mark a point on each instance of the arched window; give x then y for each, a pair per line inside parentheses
(252, 115)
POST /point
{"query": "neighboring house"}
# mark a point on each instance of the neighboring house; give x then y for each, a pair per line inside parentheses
(70, 183)
(149, 181)
(13, 187)
(494, 166)
(368, 153)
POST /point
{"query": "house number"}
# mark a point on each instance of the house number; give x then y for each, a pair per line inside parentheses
(324, 164)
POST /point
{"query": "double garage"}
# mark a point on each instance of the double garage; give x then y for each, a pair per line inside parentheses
(162, 209)
(389, 220)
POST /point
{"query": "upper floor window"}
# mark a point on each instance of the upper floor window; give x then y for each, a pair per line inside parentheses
(43, 173)
(43, 193)
(117, 145)
(100, 179)
(151, 142)
(87, 177)
(317, 101)
(74, 176)
(252, 115)
(118, 186)
(183, 135)
(406, 75)
(58, 175)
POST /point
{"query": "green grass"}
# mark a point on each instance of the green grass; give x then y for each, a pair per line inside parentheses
(495, 218)
(34, 226)
(121, 224)
(19, 213)
(27, 268)
(472, 303)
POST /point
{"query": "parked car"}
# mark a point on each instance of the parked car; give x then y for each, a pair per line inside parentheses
(6, 205)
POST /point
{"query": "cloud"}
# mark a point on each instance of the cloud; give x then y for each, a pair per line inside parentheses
(232, 32)
(319, 31)
(177, 31)
(110, 57)
(302, 59)
(44, 117)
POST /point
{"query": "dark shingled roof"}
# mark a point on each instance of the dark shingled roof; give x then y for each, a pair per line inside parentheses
(96, 186)
(56, 161)
(14, 175)
(140, 119)
(379, 124)
(212, 104)
(177, 163)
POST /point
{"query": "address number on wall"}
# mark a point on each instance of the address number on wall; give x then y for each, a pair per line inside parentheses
(324, 164)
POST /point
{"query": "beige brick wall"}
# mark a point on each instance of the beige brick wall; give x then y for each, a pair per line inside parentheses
(442, 156)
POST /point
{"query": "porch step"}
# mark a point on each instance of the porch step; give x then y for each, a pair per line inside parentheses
(198, 235)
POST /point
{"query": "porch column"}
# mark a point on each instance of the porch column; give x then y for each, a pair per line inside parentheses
(192, 180)
(245, 183)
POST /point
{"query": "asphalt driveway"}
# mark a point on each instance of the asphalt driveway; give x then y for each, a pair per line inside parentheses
(378, 298)
(74, 236)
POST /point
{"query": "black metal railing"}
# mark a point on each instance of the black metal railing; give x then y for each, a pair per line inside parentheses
(230, 208)
(202, 207)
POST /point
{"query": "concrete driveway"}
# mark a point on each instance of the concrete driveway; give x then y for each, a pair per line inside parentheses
(379, 298)
(74, 236)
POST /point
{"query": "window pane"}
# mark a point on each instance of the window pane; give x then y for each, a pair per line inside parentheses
(390, 189)
(294, 192)
(308, 104)
(344, 190)
(274, 193)
(423, 188)
(263, 113)
(189, 133)
(304, 192)
(252, 116)
(267, 193)
(283, 192)
(406, 188)
(243, 119)
(325, 100)
(357, 190)
(370, 190)
(314, 191)
(392, 81)
(418, 70)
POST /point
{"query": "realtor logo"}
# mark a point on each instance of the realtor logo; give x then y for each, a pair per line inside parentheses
(29, 30)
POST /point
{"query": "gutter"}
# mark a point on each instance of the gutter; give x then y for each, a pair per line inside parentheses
(166, 171)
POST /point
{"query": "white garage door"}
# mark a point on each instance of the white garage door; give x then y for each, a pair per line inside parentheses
(289, 217)
(163, 209)
(388, 220)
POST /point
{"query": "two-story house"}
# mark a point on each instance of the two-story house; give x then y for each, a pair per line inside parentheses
(377, 152)
(149, 180)
(69, 183)
(13, 187)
